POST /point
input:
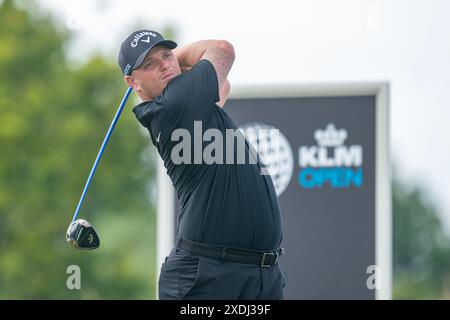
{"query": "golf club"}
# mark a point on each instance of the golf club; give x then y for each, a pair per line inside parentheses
(81, 234)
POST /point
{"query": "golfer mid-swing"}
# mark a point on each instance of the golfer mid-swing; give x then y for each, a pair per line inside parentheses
(229, 228)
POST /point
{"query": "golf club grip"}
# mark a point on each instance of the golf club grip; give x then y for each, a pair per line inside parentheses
(102, 148)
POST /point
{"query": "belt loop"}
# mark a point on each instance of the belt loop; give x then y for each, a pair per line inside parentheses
(224, 255)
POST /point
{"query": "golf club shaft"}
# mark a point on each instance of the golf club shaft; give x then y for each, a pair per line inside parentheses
(102, 148)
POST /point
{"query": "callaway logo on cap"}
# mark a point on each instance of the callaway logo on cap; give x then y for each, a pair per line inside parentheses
(138, 37)
(136, 47)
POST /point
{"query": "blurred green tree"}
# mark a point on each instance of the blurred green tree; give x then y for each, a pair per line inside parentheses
(53, 119)
(421, 248)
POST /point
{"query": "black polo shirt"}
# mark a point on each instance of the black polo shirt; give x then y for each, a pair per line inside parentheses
(228, 204)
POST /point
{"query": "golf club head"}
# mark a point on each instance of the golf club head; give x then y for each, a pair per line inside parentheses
(82, 235)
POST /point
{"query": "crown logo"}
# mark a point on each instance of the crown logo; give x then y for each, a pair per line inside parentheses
(330, 137)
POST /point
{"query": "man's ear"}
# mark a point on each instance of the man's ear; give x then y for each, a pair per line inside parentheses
(130, 81)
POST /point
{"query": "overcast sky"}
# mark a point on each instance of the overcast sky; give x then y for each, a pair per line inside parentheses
(404, 42)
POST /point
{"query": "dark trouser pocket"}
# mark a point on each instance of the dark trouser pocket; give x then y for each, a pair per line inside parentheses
(178, 277)
(284, 277)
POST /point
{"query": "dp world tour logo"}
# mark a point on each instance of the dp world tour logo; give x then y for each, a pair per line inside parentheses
(330, 162)
(274, 151)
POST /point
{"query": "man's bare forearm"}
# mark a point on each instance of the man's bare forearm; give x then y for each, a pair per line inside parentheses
(219, 52)
(190, 54)
(223, 93)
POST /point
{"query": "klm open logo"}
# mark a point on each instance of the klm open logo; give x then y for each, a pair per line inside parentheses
(330, 162)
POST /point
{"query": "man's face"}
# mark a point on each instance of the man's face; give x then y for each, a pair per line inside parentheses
(153, 75)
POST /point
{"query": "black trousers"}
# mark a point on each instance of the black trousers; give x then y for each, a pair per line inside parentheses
(193, 277)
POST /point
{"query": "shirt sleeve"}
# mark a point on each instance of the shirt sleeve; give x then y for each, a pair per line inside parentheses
(189, 97)
(204, 83)
(194, 93)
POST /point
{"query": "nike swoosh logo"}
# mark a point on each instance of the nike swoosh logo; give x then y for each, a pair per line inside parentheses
(157, 139)
(148, 40)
